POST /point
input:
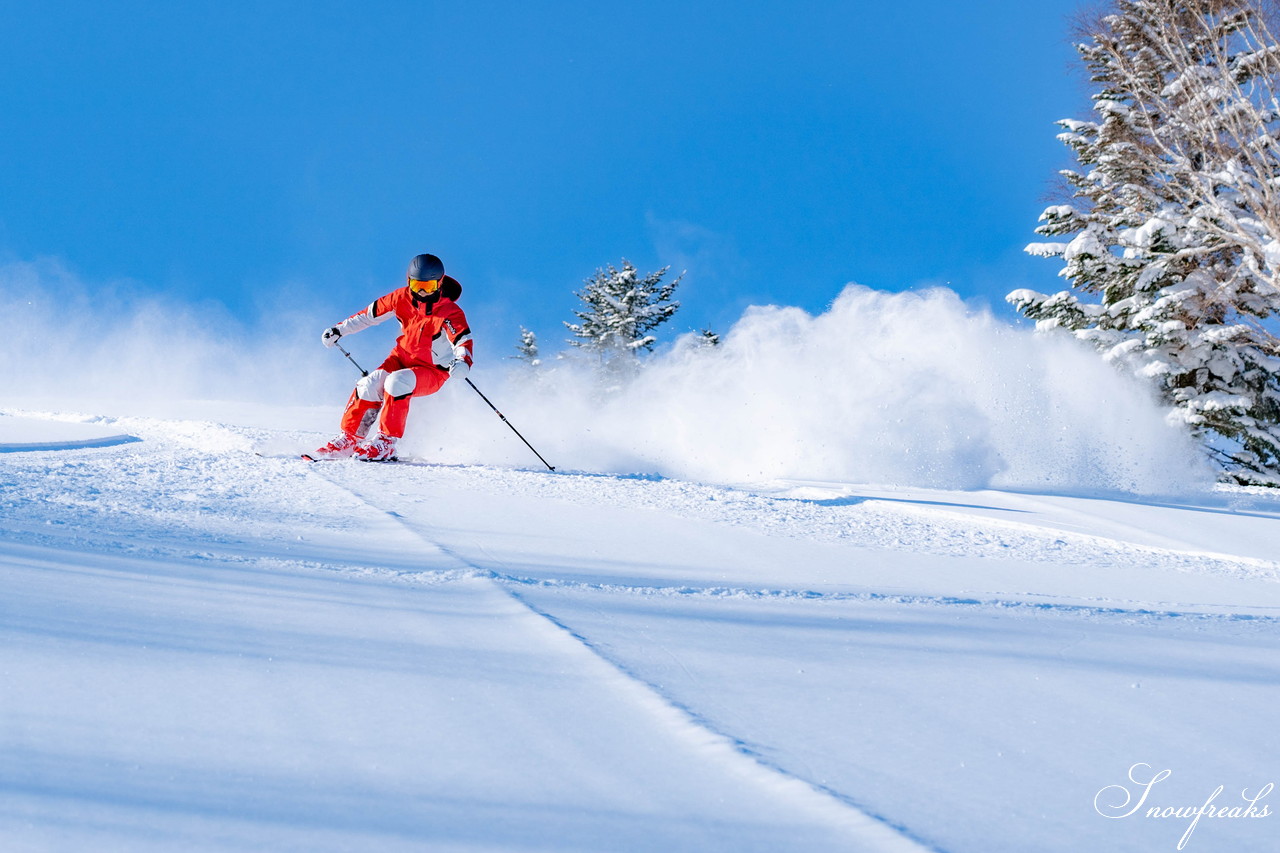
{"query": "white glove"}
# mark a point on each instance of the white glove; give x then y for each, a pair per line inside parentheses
(330, 337)
(459, 368)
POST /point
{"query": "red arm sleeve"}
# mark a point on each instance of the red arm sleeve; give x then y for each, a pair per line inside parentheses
(458, 332)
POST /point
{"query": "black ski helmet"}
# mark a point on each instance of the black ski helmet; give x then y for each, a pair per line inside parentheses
(426, 267)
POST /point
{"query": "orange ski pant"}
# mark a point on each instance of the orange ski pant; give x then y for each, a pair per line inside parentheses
(390, 387)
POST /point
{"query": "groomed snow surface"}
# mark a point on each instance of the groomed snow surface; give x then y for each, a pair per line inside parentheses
(206, 649)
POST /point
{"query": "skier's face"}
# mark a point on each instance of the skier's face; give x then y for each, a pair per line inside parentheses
(425, 291)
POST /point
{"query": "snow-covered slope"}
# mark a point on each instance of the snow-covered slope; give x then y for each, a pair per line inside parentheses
(206, 649)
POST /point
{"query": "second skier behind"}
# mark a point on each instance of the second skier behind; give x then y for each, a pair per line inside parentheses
(434, 345)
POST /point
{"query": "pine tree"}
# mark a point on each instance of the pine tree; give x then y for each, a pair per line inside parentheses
(527, 349)
(620, 312)
(708, 338)
(1174, 249)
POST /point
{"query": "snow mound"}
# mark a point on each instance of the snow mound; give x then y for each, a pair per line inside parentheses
(18, 434)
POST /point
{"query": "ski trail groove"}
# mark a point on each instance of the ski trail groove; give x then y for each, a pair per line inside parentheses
(736, 756)
(860, 821)
(1152, 610)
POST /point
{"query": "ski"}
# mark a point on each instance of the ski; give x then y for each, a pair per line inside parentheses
(310, 458)
(307, 457)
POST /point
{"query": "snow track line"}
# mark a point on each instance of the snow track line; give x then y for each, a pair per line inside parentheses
(868, 831)
(868, 827)
(1148, 609)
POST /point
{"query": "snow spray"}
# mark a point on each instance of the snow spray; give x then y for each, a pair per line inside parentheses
(911, 389)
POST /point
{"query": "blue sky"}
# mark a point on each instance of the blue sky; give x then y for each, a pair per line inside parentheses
(248, 152)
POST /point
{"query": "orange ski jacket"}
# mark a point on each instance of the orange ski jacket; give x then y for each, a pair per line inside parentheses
(435, 334)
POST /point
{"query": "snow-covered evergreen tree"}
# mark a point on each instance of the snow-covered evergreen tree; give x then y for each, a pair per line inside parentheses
(1174, 249)
(527, 349)
(620, 311)
(708, 338)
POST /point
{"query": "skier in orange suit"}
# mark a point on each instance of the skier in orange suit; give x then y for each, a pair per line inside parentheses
(434, 346)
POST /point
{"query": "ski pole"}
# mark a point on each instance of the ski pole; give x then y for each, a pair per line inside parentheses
(508, 423)
(363, 372)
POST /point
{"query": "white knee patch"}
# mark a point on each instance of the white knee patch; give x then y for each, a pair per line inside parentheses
(369, 388)
(400, 383)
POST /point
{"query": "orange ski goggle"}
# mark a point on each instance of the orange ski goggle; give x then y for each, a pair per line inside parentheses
(424, 288)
